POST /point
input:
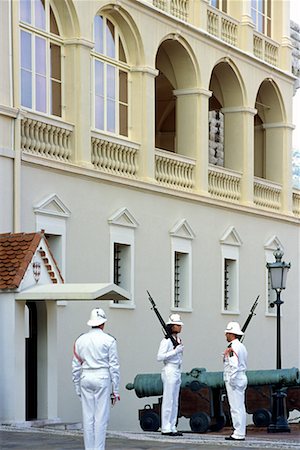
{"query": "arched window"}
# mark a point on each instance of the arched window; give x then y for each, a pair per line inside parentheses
(110, 71)
(40, 43)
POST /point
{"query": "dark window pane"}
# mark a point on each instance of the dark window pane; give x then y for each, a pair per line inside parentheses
(55, 98)
(110, 40)
(122, 56)
(123, 113)
(53, 23)
(123, 94)
(55, 61)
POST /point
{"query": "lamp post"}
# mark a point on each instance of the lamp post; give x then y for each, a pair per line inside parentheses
(278, 273)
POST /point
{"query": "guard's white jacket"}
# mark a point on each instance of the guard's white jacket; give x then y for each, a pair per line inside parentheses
(235, 365)
(235, 362)
(96, 350)
(168, 354)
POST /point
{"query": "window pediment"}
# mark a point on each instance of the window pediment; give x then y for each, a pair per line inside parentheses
(231, 237)
(53, 206)
(123, 217)
(182, 229)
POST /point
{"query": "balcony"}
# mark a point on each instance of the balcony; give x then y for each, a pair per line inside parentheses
(224, 184)
(114, 156)
(43, 136)
(174, 170)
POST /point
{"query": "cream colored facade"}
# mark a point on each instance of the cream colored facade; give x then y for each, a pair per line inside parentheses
(186, 215)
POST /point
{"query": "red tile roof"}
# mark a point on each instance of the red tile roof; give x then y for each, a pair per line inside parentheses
(16, 253)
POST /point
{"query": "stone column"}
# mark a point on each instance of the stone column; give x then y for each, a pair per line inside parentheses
(239, 146)
(78, 97)
(143, 107)
(192, 131)
(279, 160)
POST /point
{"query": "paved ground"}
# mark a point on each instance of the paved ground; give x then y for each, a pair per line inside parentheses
(46, 439)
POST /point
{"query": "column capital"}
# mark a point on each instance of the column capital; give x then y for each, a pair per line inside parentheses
(268, 126)
(240, 109)
(145, 69)
(192, 91)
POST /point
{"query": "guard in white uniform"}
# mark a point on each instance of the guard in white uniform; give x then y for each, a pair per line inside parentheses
(171, 376)
(96, 375)
(235, 366)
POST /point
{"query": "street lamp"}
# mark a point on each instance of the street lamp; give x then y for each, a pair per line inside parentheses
(278, 273)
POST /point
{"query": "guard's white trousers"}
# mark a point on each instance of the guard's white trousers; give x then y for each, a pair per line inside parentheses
(95, 397)
(171, 378)
(236, 398)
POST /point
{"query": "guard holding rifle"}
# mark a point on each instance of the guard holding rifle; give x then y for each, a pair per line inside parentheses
(235, 378)
(170, 353)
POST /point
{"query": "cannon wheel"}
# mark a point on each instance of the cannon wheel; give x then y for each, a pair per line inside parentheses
(149, 421)
(200, 422)
(262, 417)
(218, 423)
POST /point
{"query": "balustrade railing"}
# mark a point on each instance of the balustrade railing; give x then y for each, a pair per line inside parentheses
(178, 8)
(264, 48)
(222, 26)
(267, 194)
(174, 170)
(296, 202)
(46, 137)
(114, 156)
(224, 184)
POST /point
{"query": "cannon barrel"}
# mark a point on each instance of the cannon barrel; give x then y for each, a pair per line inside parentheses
(150, 384)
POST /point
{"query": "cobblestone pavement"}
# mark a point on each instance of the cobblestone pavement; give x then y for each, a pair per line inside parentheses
(46, 439)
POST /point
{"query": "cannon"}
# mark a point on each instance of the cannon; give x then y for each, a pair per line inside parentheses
(203, 400)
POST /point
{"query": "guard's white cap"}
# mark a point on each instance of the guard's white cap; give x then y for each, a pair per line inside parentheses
(97, 317)
(174, 319)
(234, 328)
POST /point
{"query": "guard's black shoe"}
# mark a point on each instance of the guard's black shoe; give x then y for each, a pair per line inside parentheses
(177, 433)
(231, 438)
(168, 434)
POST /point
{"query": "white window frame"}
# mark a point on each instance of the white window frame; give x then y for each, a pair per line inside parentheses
(51, 216)
(183, 246)
(124, 236)
(182, 236)
(255, 13)
(230, 250)
(118, 66)
(49, 38)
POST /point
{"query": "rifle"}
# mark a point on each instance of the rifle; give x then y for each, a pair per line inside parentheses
(251, 314)
(163, 323)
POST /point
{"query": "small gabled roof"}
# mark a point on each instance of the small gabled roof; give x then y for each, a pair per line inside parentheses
(16, 253)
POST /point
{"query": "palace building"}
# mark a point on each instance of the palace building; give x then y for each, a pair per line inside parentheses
(144, 145)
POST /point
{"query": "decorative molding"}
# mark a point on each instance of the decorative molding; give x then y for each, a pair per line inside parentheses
(273, 243)
(123, 217)
(52, 206)
(182, 229)
(231, 237)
